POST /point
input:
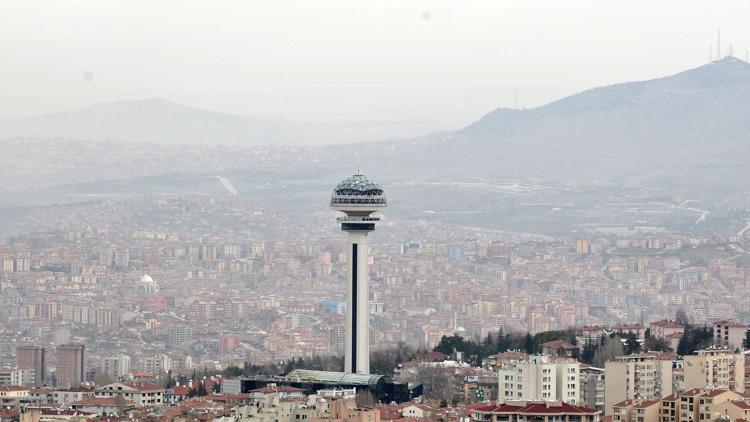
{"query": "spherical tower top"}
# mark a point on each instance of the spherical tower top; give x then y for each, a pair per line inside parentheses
(358, 194)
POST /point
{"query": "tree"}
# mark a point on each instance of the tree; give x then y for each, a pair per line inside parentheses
(694, 338)
(436, 384)
(657, 344)
(201, 391)
(216, 387)
(631, 343)
(528, 344)
(608, 350)
(747, 339)
(387, 360)
(169, 381)
(589, 348)
(681, 317)
(503, 342)
(100, 378)
(120, 404)
(365, 398)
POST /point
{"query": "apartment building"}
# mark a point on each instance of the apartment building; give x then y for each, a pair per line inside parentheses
(540, 378)
(636, 377)
(729, 334)
(636, 411)
(715, 368)
(116, 367)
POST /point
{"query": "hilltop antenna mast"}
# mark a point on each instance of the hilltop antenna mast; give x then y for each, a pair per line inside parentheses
(718, 44)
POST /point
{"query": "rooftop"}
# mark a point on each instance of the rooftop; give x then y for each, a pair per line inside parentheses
(339, 378)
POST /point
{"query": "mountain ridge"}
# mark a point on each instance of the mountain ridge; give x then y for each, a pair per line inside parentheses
(164, 121)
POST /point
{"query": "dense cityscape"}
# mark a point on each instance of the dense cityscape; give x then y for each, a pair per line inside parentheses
(161, 291)
(391, 211)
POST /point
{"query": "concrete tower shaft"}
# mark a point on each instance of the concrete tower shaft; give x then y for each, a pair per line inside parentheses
(358, 197)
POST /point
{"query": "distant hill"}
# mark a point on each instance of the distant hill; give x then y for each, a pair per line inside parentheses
(162, 121)
(689, 128)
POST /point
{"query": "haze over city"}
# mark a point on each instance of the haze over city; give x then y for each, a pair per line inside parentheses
(442, 61)
(375, 211)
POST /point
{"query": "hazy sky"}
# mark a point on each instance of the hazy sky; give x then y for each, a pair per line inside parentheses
(447, 61)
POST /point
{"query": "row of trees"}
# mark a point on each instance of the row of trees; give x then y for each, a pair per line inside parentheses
(474, 350)
(318, 363)
(595, 351)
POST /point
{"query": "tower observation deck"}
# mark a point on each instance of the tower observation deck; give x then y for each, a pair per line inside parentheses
(358, 197)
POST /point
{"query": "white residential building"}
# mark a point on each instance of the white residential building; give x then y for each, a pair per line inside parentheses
(116, 367)
(540, 378)
(141, 393)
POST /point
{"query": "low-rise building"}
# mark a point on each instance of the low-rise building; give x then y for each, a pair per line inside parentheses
(141, 393)
(104, 406)
(547, 411)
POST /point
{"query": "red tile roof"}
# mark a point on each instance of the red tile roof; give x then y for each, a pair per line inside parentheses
(623, 403)
(9, 388)
(143, 386)
(730, 323)
(667, 323)
(558, 344)
(646, 403)
(741, 404)
(180, 390)
(101, 401)
(714, 393)
(536, 408)
(693, 392)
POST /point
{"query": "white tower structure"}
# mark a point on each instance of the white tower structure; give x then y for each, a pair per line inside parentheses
(358, 197)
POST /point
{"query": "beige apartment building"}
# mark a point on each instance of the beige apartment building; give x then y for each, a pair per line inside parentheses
(636, 411)
(729, 334)
(636, 377)
(704, 405)
(715, 368)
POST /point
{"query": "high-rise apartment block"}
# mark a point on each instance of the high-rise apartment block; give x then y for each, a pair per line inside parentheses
(33, 358)
(71, 365)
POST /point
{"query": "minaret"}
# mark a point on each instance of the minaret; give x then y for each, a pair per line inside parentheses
(358, 197)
